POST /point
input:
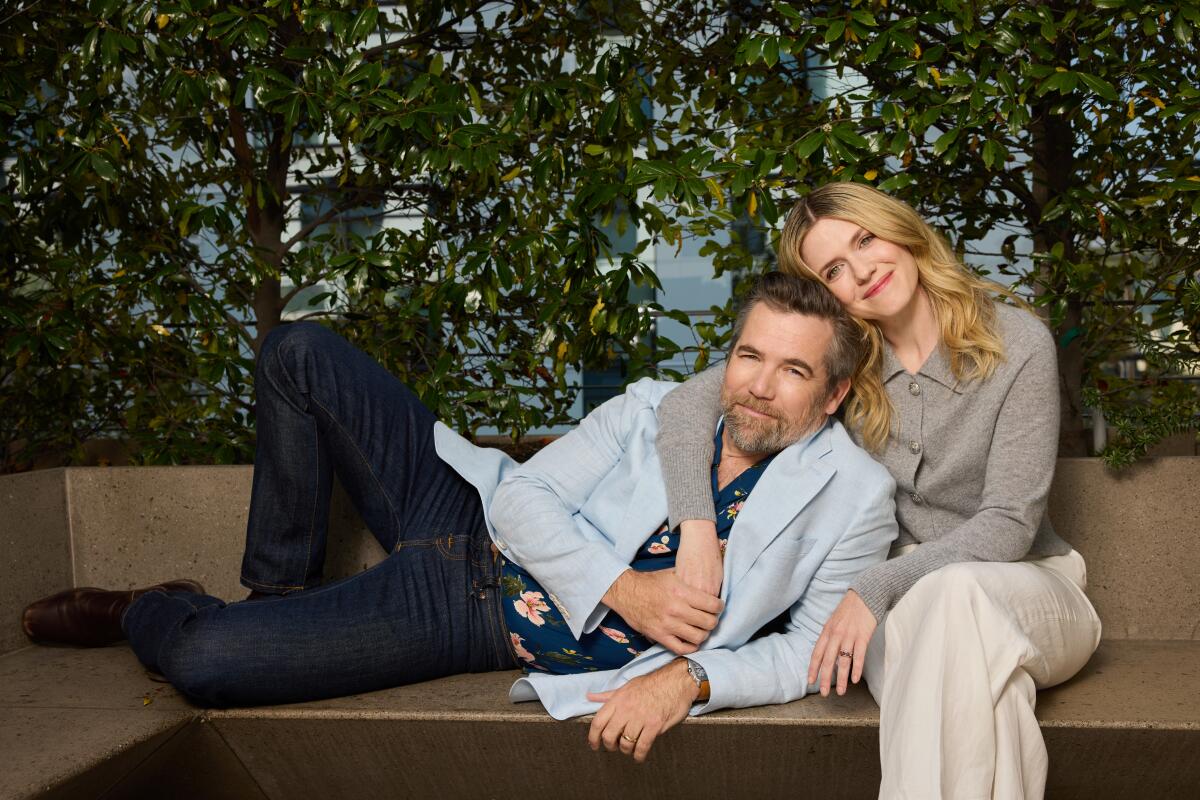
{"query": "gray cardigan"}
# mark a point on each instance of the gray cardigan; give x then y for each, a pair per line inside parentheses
(972, 462)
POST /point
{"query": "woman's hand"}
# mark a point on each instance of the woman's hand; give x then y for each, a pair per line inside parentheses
(698, 563)
(848, 631)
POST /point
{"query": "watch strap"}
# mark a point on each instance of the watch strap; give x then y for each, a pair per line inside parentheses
(700, 676)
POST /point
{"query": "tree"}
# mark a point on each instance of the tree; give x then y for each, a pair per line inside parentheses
(171, 167)
(1071, 127)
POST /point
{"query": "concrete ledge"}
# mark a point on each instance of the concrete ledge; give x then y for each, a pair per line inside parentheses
(1139, 531)
(121, 527)
(74, 721)
(35, 546)
(84, 723)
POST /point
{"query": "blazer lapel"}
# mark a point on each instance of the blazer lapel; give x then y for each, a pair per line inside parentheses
(789, 483)
(645, 511)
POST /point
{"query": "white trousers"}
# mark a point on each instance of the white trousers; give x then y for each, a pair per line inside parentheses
(954, 668)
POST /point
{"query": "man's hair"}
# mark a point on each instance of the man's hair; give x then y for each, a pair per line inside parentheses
(795, 295)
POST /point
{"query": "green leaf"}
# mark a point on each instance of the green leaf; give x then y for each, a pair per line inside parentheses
(896, 182)
(770, 51)
(809, 144)
(1005, 79)
(608, 118)
(849, 136)
(1062, 82)
(1053, 210)
(994, 154)
(110, 48)
(1099, 86)
(365, 23)
(1183, 31)
(88, 51)
(750, 50)
(944, 141)
(104, 167)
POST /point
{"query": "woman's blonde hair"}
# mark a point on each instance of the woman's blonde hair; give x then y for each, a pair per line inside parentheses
(962, 301)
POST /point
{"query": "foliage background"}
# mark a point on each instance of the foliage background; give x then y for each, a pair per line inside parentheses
(171, 167)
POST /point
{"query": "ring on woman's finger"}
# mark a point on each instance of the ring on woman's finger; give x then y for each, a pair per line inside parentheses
(846, 654)
(630, 739)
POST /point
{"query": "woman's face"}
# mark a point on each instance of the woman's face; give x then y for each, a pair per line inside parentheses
(872, 277)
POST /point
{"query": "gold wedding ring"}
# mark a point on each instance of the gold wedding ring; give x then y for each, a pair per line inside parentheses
(630, 739)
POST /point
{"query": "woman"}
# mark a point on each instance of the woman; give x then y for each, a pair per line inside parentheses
(980, 603)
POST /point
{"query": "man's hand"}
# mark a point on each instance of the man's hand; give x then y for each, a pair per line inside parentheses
(698, 562)
(848, 630)
(634, 715)
(664, 608)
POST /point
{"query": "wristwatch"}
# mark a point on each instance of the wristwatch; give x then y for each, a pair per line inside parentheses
(698, 674)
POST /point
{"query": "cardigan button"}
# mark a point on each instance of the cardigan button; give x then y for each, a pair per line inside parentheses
(914, 447)
(916, 498)
(914, 389)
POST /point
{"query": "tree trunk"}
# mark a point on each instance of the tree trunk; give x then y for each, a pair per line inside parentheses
(266, 224)
(1053, 169)
(267, 310)
(267, 233)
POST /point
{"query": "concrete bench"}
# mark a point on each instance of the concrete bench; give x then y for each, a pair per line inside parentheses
(91, 723)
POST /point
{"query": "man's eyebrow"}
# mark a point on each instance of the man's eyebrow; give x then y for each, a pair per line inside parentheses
(799, 362)
(853, 238)
(794, 362)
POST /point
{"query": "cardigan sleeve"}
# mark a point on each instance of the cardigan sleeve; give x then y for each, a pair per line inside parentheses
(687, 417)
(1019, 470)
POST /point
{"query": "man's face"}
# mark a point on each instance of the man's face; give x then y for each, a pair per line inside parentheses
(774, 392)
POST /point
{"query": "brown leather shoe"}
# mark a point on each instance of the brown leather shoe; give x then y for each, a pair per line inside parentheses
(88, 617)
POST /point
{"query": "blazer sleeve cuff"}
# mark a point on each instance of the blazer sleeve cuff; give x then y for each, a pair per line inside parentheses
(583, 608)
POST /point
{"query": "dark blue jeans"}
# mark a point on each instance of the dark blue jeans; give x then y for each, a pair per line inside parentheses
(431, 608)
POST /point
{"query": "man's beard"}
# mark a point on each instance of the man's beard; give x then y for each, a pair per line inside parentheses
(764, 436)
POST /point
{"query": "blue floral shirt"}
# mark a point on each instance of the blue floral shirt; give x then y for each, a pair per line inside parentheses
(539, 633)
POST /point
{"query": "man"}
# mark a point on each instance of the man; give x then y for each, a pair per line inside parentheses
(561, 565)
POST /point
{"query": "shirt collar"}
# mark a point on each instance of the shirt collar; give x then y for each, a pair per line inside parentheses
(936, 367)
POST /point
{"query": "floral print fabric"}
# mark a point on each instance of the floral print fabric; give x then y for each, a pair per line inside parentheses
(539, 633)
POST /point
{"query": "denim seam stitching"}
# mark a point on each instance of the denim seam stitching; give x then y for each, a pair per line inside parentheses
(497, 622)
(445, 544)
(284, 395)
(269, 585)
(408, 544)
(370, 470)
(312, 522)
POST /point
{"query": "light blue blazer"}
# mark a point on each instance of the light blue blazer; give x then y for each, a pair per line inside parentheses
(574, 515)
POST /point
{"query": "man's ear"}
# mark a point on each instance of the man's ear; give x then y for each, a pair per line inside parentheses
(838, 395)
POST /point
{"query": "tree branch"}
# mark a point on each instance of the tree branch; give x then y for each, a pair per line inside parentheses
(355, 200)
(238, 327)
(1136, 309)
(416, 38)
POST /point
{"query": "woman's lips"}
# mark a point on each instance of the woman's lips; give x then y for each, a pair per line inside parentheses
(879, 286)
